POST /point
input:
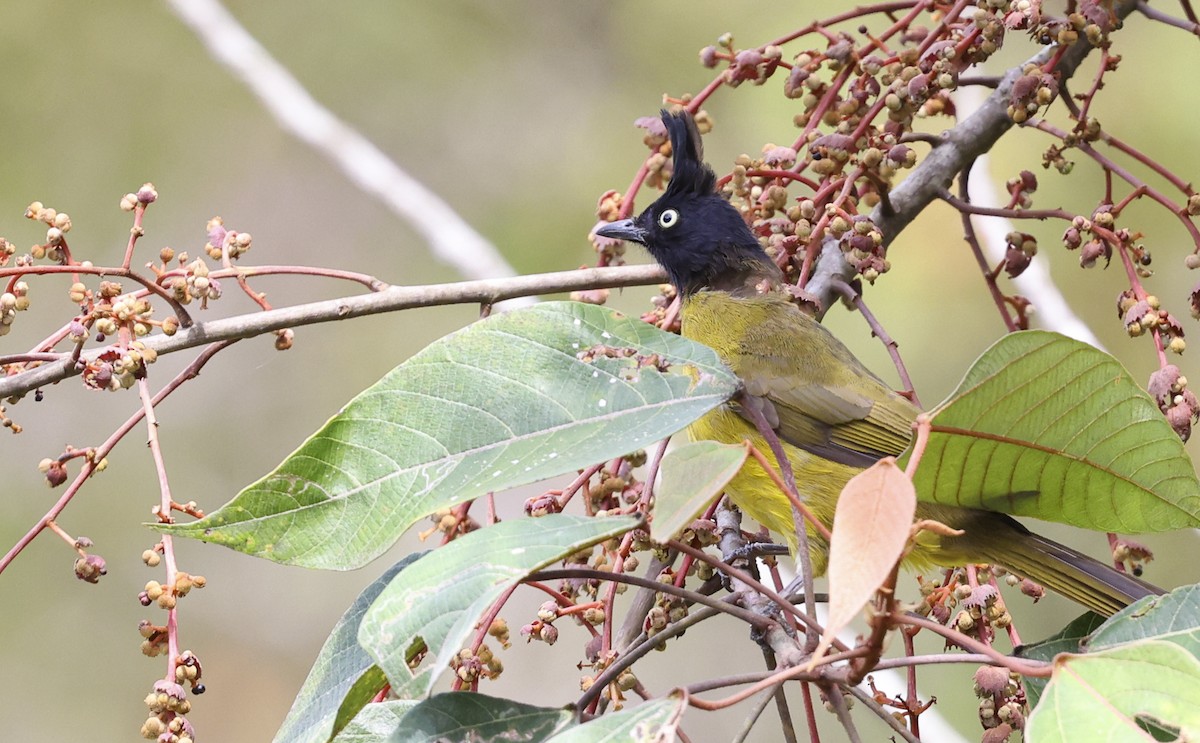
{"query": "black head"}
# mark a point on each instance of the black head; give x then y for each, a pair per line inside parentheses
(695, 234)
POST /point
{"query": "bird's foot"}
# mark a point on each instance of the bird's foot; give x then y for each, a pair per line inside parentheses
(754, 550)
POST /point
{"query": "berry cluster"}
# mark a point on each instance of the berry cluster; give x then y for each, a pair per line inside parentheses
(1001, 703)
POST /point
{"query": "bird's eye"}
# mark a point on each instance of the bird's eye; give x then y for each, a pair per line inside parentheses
(668, 219)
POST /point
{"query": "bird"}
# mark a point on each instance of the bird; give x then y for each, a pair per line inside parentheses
(832, 416)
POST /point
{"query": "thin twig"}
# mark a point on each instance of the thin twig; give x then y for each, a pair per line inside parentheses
(754, 412)
(639, 607)
(971, 137)
(25, 358)
(1020, 665)
(883, 608)
(164, 514)
(760, 705)
(15, 273)
(883, 714)
(749, 580)
(609, 603)
(1035, 283)
(839, 706)
(936, 659)
(1157, 15)
(787, 727)
(824, 672)
(749, 617)
(893, 349)
(102, 451)
(641, 645)
(139, 211)
(798, 504)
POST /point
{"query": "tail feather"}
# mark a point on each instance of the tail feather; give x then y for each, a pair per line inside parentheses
(1101, 588)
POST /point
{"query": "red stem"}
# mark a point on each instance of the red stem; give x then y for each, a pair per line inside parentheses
(102, 451)
(138, 211)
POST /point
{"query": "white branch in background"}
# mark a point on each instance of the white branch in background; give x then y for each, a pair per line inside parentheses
(1035, 284)
(451, 239)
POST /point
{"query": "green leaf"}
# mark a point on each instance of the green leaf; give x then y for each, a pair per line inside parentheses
(690, 476)
(464, 717)
(654, 720)
(510, 400)
(1174, 617)
(359, 697)
(338, 668)
(1102, 696)
(376, 722)
(1049, 427)
(1069, 639)
(439, 599)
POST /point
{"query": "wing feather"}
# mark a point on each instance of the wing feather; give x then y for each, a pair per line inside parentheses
(824, 399)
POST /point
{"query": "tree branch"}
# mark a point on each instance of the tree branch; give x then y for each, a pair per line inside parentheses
(972, 137)
(486, 291)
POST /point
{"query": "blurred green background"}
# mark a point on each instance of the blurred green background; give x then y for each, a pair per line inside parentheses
(519, 114)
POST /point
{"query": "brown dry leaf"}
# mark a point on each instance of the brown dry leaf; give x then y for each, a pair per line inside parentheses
(870, 529)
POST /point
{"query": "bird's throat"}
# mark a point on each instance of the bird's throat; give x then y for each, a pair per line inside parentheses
(739, 272)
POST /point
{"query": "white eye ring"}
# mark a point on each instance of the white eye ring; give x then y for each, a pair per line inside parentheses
(668, 219)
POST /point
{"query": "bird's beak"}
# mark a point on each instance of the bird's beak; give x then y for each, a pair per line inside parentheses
(624, 229)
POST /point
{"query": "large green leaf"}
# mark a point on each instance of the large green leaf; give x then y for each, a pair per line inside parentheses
(650, 722)
(339, 665)
(1118, 694)
(1049, 427)
(439, 599)
(464, 717)
(1174, 617)
(467, 718)
(510, 400)
(1069, 639)
(377, 722)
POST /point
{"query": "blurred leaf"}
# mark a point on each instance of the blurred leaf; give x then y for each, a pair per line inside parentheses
(1101, 696)
(1174, 617)
(1049, 427)
(871, 526)
(439, 599)
(376, 722)
(338, 668)
(1067, 640)
(510, 400)
(653, 721)
(691, 475)
(465, 717)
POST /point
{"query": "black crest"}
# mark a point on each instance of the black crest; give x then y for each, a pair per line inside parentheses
(692, 175)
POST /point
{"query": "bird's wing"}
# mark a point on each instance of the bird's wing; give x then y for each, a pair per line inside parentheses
(841, 425)
(823, 399)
